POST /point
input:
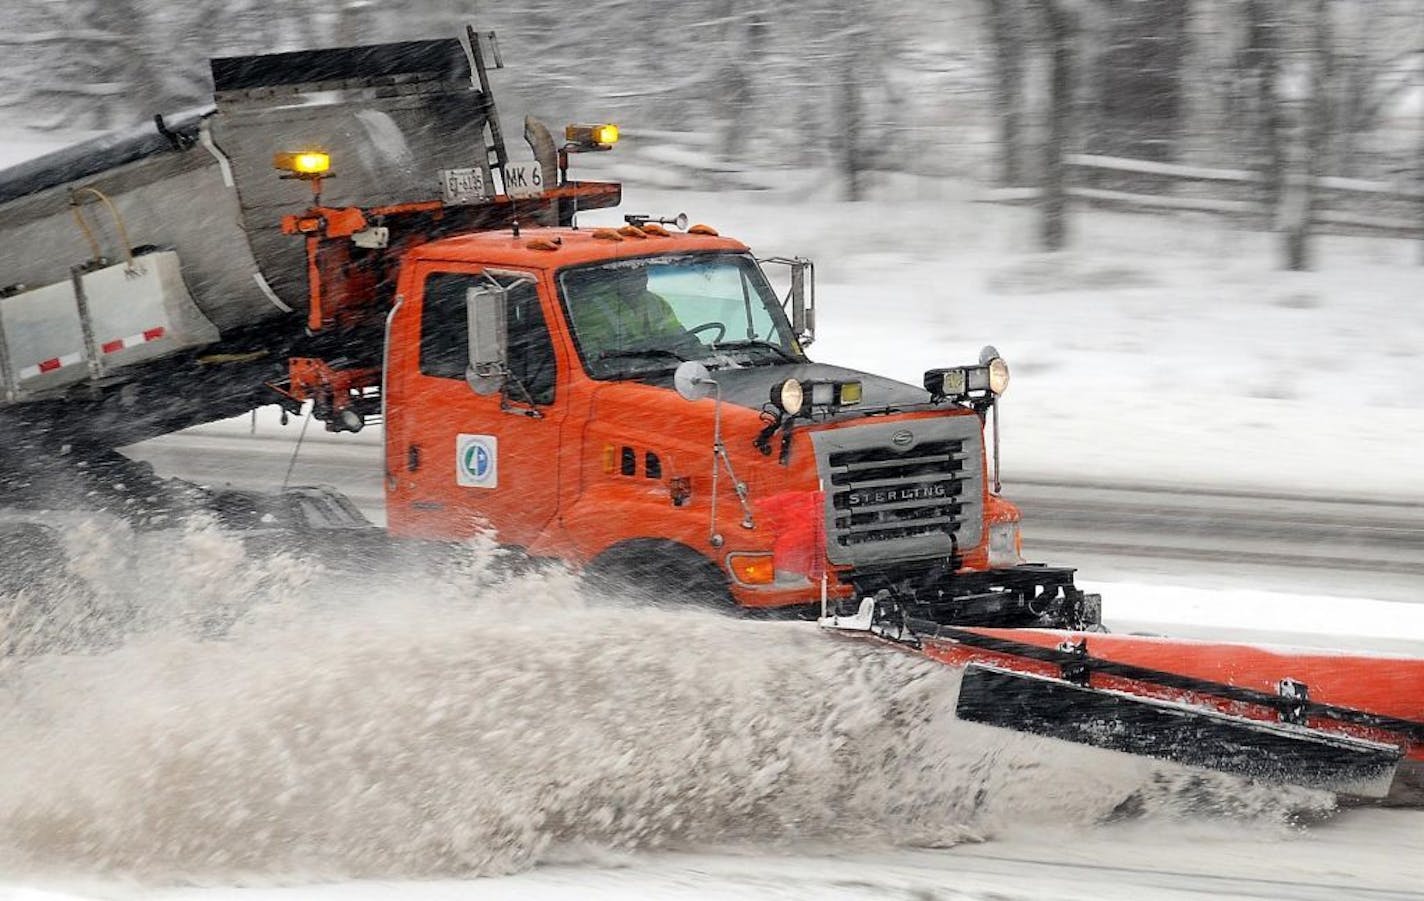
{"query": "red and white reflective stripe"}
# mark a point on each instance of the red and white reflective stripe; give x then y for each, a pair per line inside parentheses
(108, 347)
(143, 337)
(50, 365)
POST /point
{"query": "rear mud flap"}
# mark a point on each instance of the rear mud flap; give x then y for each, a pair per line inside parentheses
(1182, 733)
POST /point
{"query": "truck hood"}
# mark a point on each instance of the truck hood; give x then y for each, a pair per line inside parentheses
(751, 386)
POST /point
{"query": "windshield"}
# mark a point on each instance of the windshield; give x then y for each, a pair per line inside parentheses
(636, 317)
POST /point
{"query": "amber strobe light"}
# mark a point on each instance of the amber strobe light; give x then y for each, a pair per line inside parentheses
(303, 163)
(592, 137)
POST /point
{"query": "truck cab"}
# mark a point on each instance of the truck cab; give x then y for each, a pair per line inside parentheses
(531, 387)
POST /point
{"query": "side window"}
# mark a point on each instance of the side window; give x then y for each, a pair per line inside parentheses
(531, 350)
(444, 328)
(444, 335)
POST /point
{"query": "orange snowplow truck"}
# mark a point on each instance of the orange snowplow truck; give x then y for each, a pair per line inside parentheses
(348, 228)
(346, 231)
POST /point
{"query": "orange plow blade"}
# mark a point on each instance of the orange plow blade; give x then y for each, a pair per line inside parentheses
(1346, 722)
(1342, 722)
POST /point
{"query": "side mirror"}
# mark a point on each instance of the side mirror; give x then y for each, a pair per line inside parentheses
(692, 380)
(803, 300)
(485, 308)
(800, 302)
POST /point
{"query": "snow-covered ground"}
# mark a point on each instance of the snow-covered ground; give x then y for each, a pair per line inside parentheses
(1158, 351)
(19, 144)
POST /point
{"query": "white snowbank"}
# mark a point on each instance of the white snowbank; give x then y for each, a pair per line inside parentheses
(1263, 616)
(18, 144)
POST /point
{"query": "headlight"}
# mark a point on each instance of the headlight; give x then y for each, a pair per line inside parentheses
(1004, 544)
(946, 382)
(787, 396)
(963, 382)
(819, 396)
(998, 375)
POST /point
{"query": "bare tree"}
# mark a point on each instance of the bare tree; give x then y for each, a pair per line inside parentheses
(1419, 168)
(852, 119)
(1261, 62)
(1139, 91)
(1058, 25)
(1311, 135)
(1007, 31)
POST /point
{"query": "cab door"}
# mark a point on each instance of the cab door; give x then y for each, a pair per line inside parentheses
(460, 463)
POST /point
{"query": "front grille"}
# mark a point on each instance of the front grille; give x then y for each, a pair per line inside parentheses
(887, 502)
(879, 494)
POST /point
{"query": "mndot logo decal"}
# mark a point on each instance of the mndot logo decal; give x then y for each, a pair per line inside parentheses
(477, 461)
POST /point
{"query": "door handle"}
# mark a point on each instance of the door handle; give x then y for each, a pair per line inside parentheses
(412, 458)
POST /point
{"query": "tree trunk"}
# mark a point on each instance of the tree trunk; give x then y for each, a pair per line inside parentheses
(1006, 27)
(739, 89)
(1419, 178)
(1141, 79)
(1312, 136)
(145, 87)
(850, 118)
(1266, 123)
(1058, 31)
(850, 102)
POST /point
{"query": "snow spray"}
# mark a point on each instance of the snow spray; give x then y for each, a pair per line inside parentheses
(258, 717)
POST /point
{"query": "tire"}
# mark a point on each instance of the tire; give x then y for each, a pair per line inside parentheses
(660, 573)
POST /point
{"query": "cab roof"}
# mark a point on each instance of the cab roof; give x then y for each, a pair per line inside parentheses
(572, 247)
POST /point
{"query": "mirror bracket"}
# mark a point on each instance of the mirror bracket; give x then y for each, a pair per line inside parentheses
(800, 301)
(488, 331)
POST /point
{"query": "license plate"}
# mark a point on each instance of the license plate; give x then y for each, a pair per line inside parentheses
(463, 186)
(523, 178)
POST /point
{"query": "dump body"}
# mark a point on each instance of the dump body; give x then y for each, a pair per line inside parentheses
(201, 188)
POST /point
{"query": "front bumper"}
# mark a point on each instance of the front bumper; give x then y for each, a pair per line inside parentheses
(1024, 595)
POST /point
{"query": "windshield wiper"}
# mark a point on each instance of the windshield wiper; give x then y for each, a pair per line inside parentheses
(634, 352)
(756, 342)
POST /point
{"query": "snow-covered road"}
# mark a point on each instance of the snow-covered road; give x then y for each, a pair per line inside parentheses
(1177, 535)
(1114, 863)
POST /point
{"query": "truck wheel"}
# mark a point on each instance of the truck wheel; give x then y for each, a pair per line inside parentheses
(663, 573)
